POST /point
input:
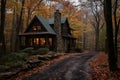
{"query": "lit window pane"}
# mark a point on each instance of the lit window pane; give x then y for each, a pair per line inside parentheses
(36, 41)
(42, 41)
(50, 41)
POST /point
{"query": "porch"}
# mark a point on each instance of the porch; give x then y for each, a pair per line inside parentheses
(37, 41)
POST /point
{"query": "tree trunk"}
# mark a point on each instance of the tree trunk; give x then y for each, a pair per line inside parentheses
(109, 31)
(2, 36)
(18, 29)
(13, 33)
(97, 39)
(116, 28)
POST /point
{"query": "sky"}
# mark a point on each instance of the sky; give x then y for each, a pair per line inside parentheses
(75, 2)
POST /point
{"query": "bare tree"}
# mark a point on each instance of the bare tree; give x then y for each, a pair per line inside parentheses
(95, 8)
(98, 22)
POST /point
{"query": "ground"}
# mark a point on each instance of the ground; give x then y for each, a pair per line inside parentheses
(100, 69)
(68, 67)
(75, 66)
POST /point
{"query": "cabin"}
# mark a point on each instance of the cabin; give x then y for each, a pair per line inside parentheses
(53, 33)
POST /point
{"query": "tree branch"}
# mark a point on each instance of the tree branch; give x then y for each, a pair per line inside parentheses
(36, 5)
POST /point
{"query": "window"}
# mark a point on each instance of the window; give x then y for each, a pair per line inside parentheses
(34, 28)
(50, 41)
(36, 41)
(42, 41)
(37, 28)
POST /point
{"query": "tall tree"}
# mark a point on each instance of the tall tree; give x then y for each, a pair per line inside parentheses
(2, 25)
(97, 11)
(109, 35)
(13, 32)
(95, 14)
(18, 29)
(116, 24)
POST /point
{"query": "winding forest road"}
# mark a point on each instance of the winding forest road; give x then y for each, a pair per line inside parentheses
(72, 68)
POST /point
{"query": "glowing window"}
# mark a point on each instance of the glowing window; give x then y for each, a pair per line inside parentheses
(50, 41)
(42, 41)
(36, 41)
(34, 28)
(37, 28)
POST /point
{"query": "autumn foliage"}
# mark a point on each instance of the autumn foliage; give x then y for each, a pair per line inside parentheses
(100, 68)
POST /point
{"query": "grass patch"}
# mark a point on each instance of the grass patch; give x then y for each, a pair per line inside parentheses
(18, 59)
(14, 59)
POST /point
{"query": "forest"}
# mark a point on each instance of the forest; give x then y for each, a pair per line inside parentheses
(95, 25)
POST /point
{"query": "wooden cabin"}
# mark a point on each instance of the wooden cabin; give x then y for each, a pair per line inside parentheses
(53, 33)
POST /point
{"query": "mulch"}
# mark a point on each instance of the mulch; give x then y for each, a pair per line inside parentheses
(100, 68)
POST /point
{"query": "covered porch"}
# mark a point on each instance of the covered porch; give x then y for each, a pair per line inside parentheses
(38, 40)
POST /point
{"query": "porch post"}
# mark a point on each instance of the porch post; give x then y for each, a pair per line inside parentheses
(20, 42)
(47, 42)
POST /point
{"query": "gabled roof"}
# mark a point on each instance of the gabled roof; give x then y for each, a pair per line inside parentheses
(51, 20)
(45, 23)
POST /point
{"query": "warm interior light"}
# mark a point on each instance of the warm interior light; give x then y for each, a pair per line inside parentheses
(42, 41)
(50, 41)
(34, 28)
(37, 28)
(36, 41)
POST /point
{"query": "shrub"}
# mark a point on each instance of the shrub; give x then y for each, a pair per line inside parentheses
(11, 57)
(51, 53)
(22, 55)
(14, 59)
(43, 51)
(35, 52)
(28, 50)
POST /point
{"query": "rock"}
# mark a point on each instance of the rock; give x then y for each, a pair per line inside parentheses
(4, 68)
(9, 74)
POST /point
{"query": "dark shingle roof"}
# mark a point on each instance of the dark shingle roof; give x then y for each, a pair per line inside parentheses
(46, 24)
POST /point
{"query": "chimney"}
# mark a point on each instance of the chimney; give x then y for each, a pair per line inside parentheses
(57, 27)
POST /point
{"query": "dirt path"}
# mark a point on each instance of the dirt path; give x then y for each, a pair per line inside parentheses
(73, 68)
